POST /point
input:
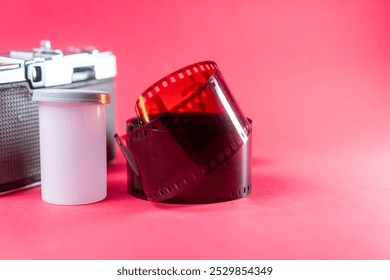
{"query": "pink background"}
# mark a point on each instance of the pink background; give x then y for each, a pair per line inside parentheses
(314, 77)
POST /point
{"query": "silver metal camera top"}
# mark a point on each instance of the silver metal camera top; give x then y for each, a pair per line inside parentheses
(8, 66)
(45, 67)
(46, 51)
(41, 53)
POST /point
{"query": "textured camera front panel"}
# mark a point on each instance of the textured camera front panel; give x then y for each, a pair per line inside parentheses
(19, 136)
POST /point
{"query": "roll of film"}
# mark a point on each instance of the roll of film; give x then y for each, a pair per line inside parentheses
(190, 142)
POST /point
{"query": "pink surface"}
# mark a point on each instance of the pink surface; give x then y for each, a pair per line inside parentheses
(314, 77)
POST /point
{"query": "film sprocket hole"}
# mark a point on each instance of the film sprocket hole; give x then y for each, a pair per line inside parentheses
(23, 71)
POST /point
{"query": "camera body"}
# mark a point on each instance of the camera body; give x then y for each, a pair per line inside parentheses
(23, 71)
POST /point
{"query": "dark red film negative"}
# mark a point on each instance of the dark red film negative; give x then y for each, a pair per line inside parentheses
(190, 142)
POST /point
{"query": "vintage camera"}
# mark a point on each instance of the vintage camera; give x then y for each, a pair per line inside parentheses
(23, 71)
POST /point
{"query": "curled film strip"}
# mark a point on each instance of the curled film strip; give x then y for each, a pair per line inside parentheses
(190, 142)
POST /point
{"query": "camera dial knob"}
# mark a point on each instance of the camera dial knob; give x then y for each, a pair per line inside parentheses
(45, 44)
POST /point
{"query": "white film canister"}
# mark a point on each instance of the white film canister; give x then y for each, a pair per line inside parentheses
(72, 130)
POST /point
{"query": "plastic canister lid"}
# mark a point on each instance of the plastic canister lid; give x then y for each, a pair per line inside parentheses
(71, 95)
